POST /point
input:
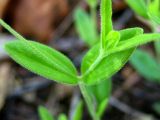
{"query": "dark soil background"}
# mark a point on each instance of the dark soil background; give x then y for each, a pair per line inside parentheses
(22, 91)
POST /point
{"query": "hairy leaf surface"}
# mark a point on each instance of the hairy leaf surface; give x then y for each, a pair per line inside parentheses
(108, 65)
(130, 33)
(111, 40)
(106, 18)
(42, 60)
(136, 41)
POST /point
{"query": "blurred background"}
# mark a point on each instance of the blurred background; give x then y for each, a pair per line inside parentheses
(51, 22)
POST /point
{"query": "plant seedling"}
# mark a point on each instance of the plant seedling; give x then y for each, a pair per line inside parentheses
(85, 25)
(148, 9)
(46, 115)
(102, 61)
(143, 62)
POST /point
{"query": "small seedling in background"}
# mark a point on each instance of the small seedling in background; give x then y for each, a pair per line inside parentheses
(156, 107)
(143, 62)
(86, 27)
(148, 11)
(46, 115)
(103, 60)
(78, 112)
(62, 117)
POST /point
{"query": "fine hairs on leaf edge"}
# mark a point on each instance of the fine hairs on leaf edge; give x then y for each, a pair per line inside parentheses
(11, 50)
(21, 38)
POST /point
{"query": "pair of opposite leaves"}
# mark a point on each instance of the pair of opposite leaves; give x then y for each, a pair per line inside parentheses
(44, 114)
(53, 65)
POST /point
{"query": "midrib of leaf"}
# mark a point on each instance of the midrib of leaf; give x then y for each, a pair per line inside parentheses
(48, 59)
(48, 65)
(99, 58)
(18, 36)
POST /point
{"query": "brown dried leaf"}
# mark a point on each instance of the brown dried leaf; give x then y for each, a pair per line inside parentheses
(119, 5)
(36, 18)
(3, 4)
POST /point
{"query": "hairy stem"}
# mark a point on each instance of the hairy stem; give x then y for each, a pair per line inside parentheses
(88, 101)
(11, 30)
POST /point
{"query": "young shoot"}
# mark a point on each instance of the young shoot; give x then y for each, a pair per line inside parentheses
(102, 61)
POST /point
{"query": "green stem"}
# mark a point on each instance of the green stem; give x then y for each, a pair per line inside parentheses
(88, 101)
(11, 30)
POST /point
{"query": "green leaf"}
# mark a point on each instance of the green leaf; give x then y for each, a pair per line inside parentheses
(62, 117)
(92, 3)
(106, 19)
(130, 33)
(85, 27)
(156, 107)
(44, 113)
(139, 6)
(96, 90)
(154, 18)
(154, 11)
(100, 99)
(154, 6)
(135, 41)
(43, 60)
(157, 49)
(102, 107)
(105, 67)
(146, 65)
(78, 111)
(112, 40)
